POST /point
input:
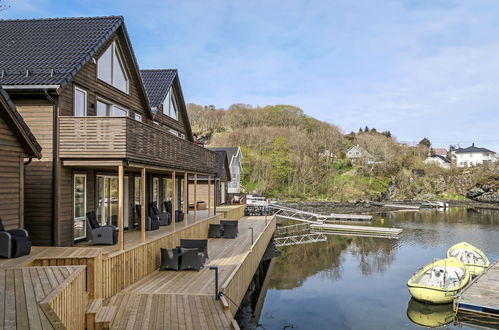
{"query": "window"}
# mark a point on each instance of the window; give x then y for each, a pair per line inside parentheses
(108, 109)
(137, 117)
(80, 102)
(155, 190)
(170, 105)
(137, 189)
(110, 68)
(80, 206)
(164, 187)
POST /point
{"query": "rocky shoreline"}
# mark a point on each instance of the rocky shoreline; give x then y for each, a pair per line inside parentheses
(362, 206)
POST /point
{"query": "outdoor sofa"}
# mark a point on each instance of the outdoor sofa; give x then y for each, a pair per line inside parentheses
(14, 243)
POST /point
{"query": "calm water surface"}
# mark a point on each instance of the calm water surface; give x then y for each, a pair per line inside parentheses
(360, 282)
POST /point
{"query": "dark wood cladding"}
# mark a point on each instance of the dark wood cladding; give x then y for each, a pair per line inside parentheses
(123, 137)
(134, 101)
(11, 189)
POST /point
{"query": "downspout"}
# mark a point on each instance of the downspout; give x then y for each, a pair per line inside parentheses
(54, 166)
(28, 162)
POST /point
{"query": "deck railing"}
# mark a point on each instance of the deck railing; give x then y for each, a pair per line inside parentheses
(124, 137)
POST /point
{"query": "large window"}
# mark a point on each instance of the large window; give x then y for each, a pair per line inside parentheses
(170, 105)
(111, 70)
(80, 102)
(155, 191)
(108, 109)
(80, 206)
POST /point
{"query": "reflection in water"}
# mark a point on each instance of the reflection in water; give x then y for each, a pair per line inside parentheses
(360, 282)
(430, 316)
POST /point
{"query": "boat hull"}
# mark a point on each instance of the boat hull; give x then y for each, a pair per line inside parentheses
(430, 295)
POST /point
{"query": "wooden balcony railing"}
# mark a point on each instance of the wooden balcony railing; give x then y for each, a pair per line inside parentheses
(123, 137)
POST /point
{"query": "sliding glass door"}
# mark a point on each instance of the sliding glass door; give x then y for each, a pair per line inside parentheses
(80, 206)
(107, 200)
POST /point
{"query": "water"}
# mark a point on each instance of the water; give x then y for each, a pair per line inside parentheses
(360, 282)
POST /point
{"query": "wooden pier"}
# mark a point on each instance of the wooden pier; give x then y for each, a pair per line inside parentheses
(479, 300)
(356, 230)
(350, 217)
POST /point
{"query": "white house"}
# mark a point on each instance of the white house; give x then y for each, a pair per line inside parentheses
(438, 160)
(235, 157)
(357, 152)
(471, 156)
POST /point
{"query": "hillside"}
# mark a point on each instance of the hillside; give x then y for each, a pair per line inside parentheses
(290, 155)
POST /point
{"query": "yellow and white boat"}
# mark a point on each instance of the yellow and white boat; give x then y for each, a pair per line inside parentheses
(439, 281)
(473, 258)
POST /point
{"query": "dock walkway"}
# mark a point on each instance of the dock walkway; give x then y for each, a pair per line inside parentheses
(356, 230)
(481, 296)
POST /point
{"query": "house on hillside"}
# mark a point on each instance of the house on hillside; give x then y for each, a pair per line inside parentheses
(472, 156)
(77, 85)
(17, 147)
(438, 160)
(235, 157)
(356, 153)
(439, 151)
(216, 187)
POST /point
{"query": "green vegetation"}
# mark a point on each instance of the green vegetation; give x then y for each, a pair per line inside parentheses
(290, 155)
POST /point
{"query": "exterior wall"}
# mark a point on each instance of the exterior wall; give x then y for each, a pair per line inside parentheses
(467, 159)
(235, 182)
(202, 193)
(11, 177)
(38, 184)
(437, 161)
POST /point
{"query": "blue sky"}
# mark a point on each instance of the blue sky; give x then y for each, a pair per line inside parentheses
(417, 68)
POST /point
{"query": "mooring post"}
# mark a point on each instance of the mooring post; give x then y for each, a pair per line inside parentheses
(215, 268)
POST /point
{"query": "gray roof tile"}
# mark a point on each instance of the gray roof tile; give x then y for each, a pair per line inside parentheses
(50, 51)
(157, 84)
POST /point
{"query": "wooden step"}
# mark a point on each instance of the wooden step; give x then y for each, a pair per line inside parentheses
(92, 310)
(104, 317)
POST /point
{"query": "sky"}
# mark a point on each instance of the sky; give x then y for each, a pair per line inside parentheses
(419, 68)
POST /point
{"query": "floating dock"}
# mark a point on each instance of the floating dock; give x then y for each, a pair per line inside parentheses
(357, 230)
(479, 300)
(349, 217)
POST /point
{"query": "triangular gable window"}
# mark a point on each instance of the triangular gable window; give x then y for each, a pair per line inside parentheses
(170, 105)
(111, 70)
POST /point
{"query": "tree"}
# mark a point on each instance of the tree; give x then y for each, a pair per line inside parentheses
(366, 129)
(373, 130)
(425, 142)
(360, 130)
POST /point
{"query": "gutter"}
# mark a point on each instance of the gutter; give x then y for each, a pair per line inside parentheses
(54, 166)
(31, 87)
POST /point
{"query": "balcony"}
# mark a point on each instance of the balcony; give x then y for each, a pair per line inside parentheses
(126, 138)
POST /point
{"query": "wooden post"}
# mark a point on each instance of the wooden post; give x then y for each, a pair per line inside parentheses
(174, 198)
(195, 198)
(209, 195)
(121, 179)
(143, 205)
(186, 197)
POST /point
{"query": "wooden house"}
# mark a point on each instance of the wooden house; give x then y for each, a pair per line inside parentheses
(235, 157)
(18, 147)
(212, 191)
(77, 84)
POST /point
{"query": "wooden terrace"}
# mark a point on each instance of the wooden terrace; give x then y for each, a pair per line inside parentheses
(124, 287)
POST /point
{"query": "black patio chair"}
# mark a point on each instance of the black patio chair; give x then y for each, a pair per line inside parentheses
(230, 222)
(164, 218)
(214, 230)
(102, 235)
(170, 259)
(179, 216)
(230, 231)
(191, 259)
(152, 223)
(14, 243)
(200, 244)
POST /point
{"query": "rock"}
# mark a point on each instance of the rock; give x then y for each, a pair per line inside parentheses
(488, 197)
(474, 192)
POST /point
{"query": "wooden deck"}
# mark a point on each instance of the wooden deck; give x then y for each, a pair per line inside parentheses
(134, 292)
(30, 297)
(187, 297)
(481, 296)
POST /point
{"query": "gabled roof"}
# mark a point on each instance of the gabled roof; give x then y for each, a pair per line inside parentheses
(439, 151)
(50, 51)
(472, 149)
(17, 124)
(157, 83)
(444, 159)
(231, 152)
